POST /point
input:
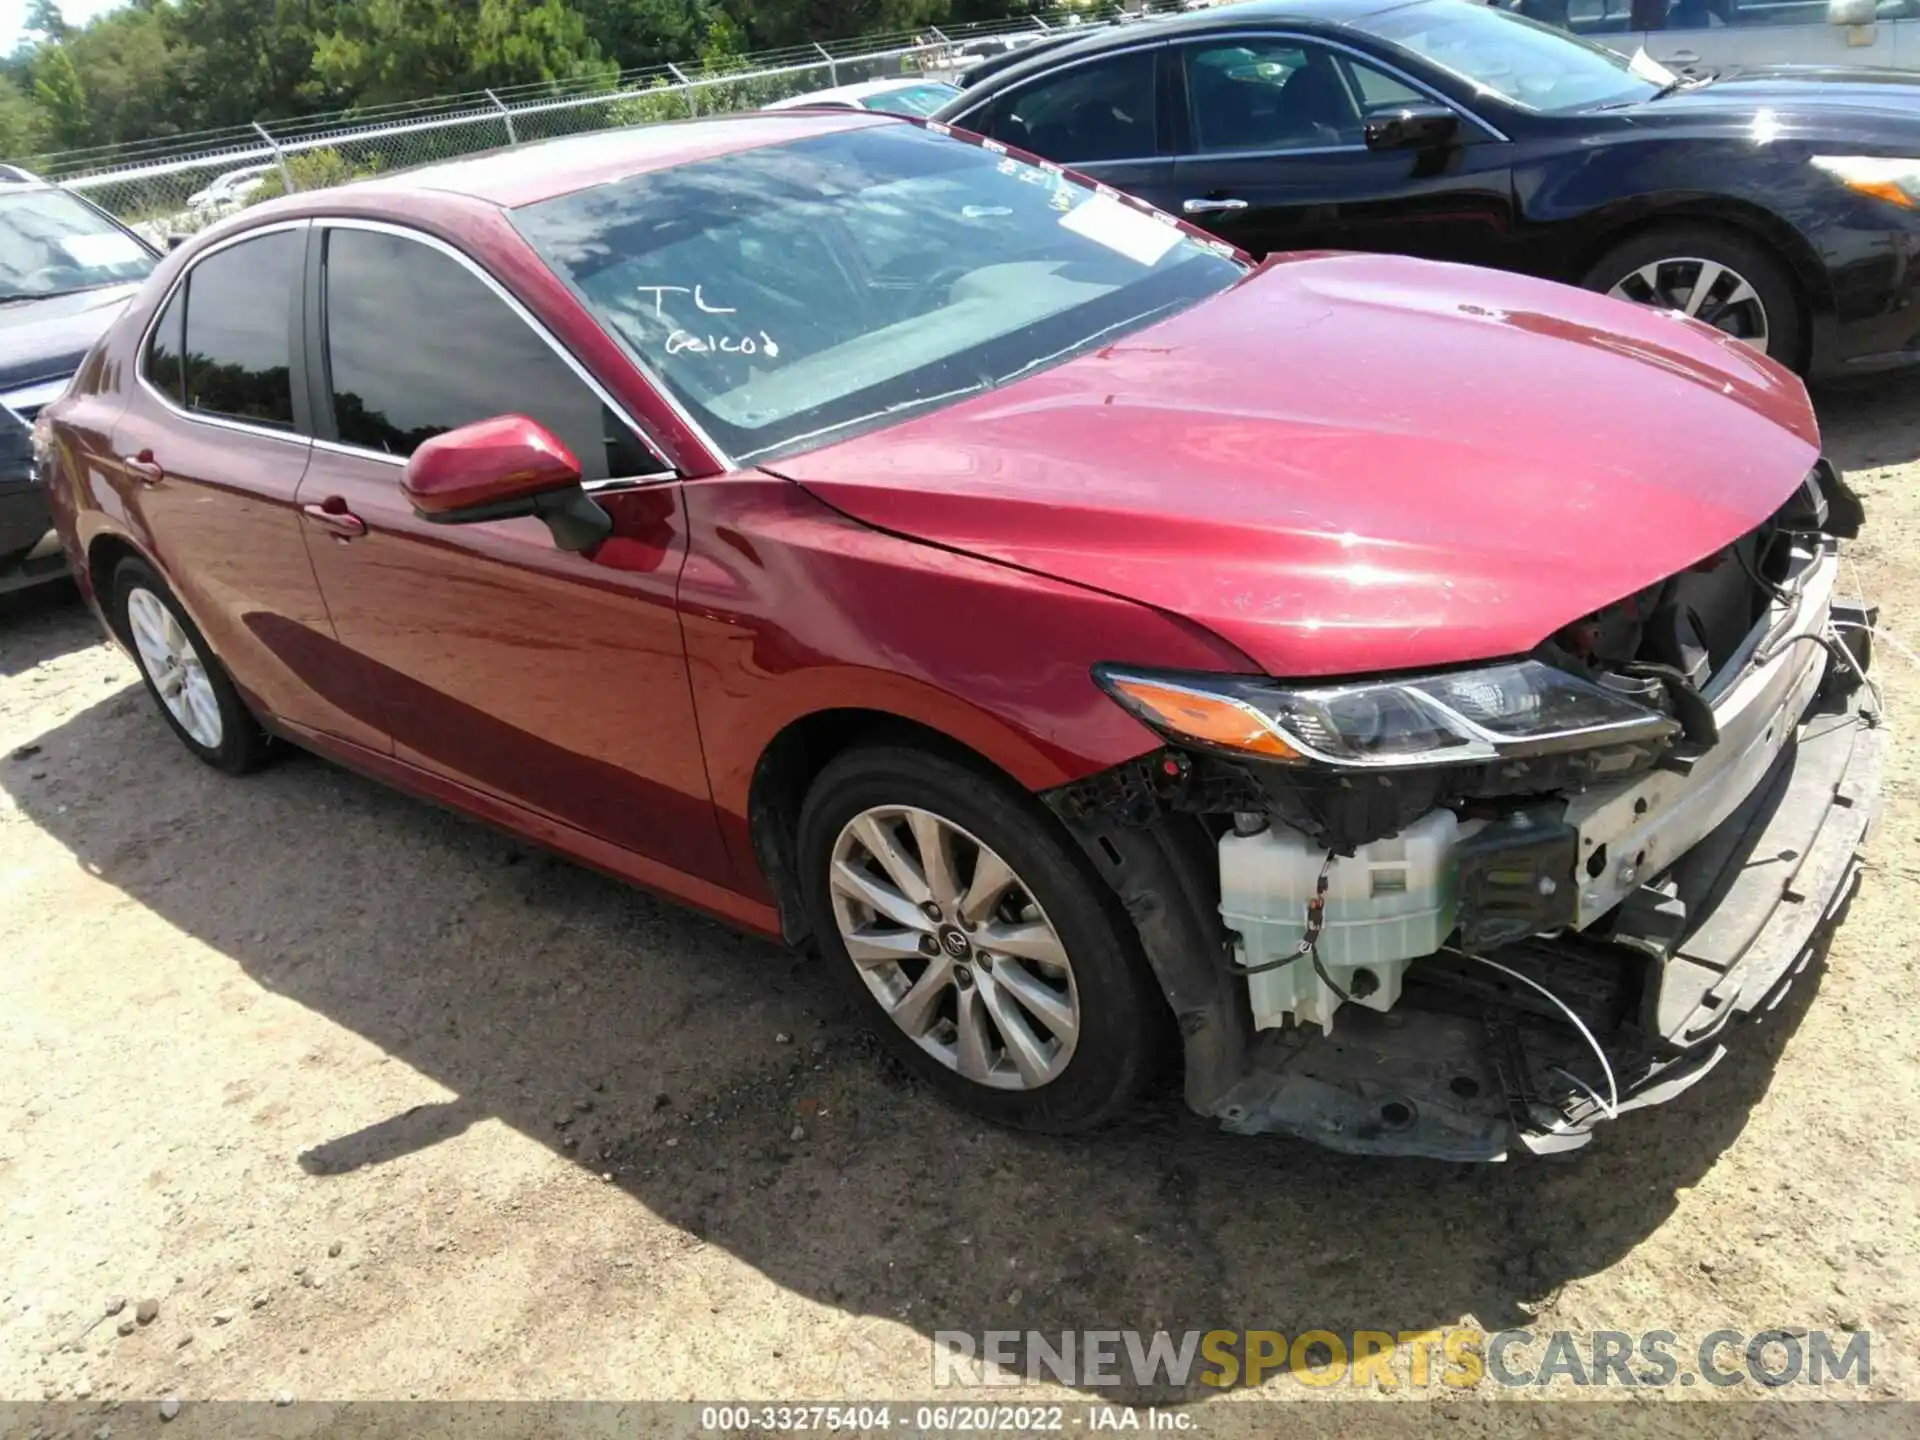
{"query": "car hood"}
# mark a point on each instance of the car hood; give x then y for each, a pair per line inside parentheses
(1355, 463)
(47, 339)
(1852, 105)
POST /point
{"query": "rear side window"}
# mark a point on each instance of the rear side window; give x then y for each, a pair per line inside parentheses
(1079, 116)
(164, 348)
(239, 320)
(418, 345)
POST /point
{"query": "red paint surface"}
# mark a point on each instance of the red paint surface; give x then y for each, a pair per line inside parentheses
(1357, 463)
(490, 461)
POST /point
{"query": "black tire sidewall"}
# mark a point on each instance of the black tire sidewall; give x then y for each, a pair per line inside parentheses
(242, 742)
(1765, 271)
(1121, 1010)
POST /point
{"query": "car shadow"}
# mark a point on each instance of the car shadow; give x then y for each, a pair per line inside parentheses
(43, 624)
(724, 1084)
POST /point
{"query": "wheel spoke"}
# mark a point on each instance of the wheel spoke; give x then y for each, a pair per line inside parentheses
(995, 1002)
(972, 1054)
(1028, 940)
(868, 946)
(1704, 280)
(1048, 1006)
(935, 843)
(900, 868)
(915, 1011)
(991, 877)
(877, 896)
(1023, 1047)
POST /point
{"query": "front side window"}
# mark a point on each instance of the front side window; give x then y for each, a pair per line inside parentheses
(1266, 95)
(239, 323)
(417, 344)
(1511, 58)
(53, 244)
(1102, 110)
(794, 294)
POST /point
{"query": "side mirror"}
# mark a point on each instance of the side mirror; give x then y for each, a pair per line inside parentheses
(1851, 12)
(1413, 127)
(175, 240)
(500, 469)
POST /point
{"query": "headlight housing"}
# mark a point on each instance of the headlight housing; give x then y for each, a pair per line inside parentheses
(1462, 717)
(1895, 179)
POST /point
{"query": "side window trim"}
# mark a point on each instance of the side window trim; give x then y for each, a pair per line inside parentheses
(321, 381)
(1350, 52)
(1054, 72)
(302, 432)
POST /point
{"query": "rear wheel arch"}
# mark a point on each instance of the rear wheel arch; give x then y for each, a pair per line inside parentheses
(106, 553)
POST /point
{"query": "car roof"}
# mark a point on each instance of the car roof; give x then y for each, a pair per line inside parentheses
(1239, 16)
(528, 174)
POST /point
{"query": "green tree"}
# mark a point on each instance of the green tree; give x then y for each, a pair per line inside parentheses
(245, 60)
(60, 97)
(20, 123)
(637, 33)
(388, 50)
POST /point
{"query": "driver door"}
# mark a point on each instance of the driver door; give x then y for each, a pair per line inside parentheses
(544, 679)
(1272, 156)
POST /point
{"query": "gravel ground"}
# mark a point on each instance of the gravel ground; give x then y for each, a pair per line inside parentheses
(375, 1103)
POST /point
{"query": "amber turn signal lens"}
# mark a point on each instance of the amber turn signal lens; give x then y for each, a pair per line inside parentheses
(1213, 719)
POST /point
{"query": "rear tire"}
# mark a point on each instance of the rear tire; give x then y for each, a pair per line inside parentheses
(1056, 1032)
(190, 688)
(1749, 292)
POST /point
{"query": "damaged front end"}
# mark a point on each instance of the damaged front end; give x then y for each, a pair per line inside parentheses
(1452, 913)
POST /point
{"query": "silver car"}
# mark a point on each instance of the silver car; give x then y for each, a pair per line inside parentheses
(1718, 34)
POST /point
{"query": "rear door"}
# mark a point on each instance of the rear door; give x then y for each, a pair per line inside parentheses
(1272, 156)
(212, 446)
(1105, 116)
(542, 678)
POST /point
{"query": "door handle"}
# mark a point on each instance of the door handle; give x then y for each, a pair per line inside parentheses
(1685, 57)
(1209, 207)
(332, 512)
(144, 468)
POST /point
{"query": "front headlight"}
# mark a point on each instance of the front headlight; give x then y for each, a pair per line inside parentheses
(1465, 717)
(1895, 180)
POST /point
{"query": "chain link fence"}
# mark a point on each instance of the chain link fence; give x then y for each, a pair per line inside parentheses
(177, 185)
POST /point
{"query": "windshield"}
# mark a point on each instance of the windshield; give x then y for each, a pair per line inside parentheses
(798, 294)
(921, 100)
(51, 243)
(1517, 60)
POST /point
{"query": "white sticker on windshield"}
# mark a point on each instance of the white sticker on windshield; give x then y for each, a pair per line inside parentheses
(1644, 67)
(1121, 228)
(108, 248)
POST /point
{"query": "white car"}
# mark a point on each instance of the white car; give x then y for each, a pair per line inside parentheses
(916, 96)
(228, 193)
(1719, 34)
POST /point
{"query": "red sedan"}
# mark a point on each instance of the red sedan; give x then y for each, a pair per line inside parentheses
(1094, 644)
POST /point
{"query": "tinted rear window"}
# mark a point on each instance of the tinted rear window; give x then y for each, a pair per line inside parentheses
(240, 314)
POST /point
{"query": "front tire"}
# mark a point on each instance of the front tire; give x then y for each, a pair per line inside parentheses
(193, 692)
(990, 962)
(1722, 277)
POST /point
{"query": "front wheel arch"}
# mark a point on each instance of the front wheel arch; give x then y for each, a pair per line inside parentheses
(1749, 224)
